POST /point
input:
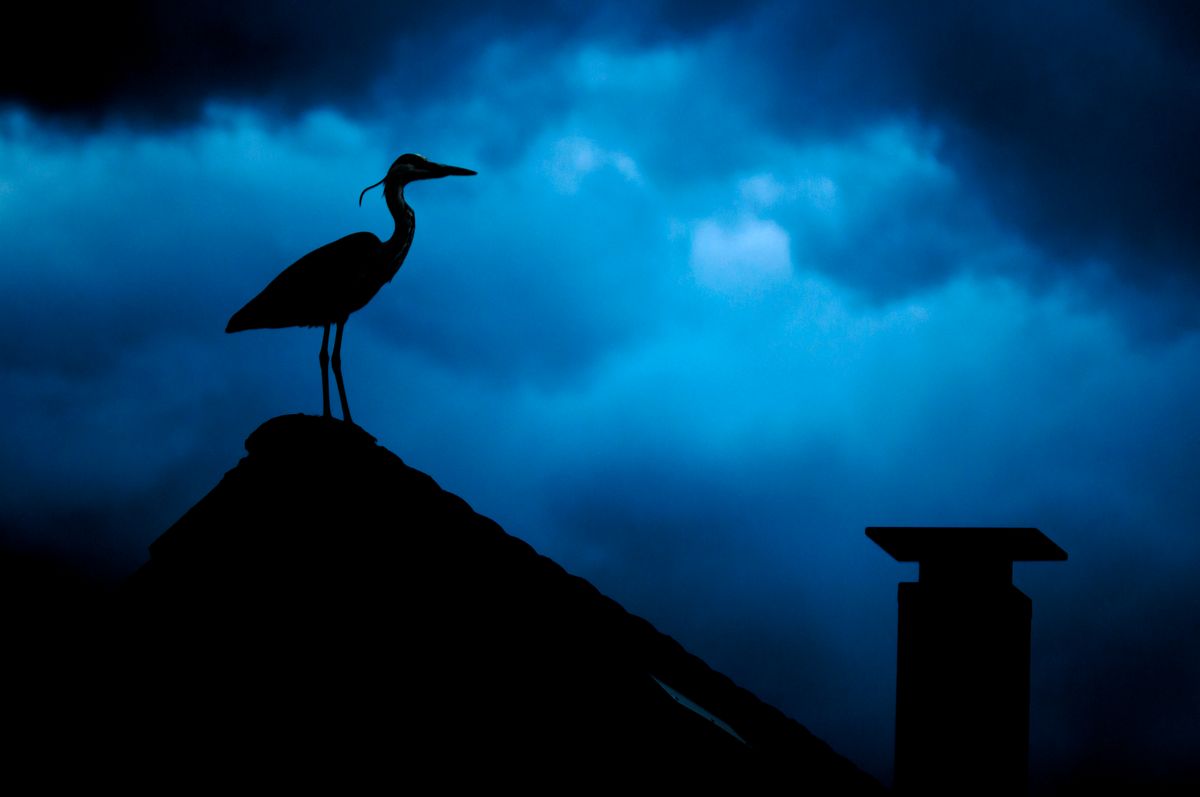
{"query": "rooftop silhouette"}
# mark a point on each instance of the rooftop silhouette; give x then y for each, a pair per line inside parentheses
(326, 607)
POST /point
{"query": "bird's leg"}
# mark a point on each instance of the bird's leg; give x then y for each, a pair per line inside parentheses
(337, 371)
(324, 357)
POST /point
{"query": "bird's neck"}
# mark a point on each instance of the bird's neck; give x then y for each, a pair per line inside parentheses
(404, 219)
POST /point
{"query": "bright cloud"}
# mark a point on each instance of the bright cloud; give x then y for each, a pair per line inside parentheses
(572, 159)
(745, 256)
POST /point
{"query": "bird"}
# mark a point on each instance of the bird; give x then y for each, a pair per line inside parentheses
(325, 286)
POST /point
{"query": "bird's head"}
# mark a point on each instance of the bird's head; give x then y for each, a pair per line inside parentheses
(409, 168)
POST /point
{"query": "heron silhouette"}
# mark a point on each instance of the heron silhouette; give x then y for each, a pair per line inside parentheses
(325, 286)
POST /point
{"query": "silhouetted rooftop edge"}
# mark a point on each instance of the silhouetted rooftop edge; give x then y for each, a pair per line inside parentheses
(318, 511)
(287, 431)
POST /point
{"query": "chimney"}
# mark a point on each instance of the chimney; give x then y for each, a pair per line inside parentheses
(962, 664)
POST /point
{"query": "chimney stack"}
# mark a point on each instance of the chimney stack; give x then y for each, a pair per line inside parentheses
(962, 665)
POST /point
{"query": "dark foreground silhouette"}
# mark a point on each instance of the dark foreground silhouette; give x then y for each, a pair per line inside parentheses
(328, 284)
(963, 658)
(327, 612)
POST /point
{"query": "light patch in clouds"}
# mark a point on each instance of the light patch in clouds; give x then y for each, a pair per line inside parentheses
(763, 191)
(751, 254)
(575, 157)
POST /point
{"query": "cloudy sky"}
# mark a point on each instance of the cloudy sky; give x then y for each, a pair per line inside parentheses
(734, 281)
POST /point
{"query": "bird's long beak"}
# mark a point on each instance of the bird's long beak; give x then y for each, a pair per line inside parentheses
(365, 190)
(445, 170)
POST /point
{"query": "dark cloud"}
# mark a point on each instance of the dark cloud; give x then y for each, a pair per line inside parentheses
(153, 61)
(1076, 122)
(156, 62)
(1081, 126)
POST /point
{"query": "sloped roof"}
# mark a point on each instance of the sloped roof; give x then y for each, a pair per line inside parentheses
(323, 590)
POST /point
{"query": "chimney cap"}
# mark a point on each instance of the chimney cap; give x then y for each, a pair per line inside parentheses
(966, 543)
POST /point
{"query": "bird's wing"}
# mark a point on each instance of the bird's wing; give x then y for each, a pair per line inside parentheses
(309, 292)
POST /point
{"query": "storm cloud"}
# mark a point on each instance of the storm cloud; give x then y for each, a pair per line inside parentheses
(1077, 123)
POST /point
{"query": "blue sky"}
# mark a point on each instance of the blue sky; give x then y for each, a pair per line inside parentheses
(731, 284)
